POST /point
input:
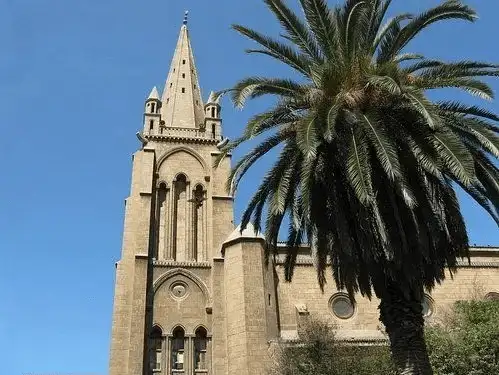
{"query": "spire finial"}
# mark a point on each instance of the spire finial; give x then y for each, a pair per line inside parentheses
(186, 14)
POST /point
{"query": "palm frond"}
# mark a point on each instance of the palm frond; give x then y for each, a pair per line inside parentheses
(449, 9)
(358, 168)
(472, 86)
(424, 107)
(456, 107)
(422, 65)
(387, 35)
(488, 175)
(385, 83)
(275, 49)
(323, 26)
(353, 25)
(240, 169)
(474, 133)
(254, 87)
(461, 69)
(297, 31)
(379, 9)
(481, 198)
(386, 151)
(306, 136)
(407, 57)
(455, 155)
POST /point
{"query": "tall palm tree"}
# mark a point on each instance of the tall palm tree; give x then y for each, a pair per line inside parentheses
(368, 163)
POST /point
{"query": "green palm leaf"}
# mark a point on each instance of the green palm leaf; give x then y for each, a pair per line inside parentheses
(449, 9)
(297, 31)
(275, 49)
(455, 156)
(358, 168)
(386, 151)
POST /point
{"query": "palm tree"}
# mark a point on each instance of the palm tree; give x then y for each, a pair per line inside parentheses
(368, 164)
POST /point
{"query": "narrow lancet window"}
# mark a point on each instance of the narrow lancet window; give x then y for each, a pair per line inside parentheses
(177, 353)
(180, 218)
(161, 221)
(156, 349)
(198, 222)
(200, 346)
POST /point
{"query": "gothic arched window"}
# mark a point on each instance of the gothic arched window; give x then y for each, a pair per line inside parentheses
(177, 354)
(200, 345)
(198, 221)
(156, 348)
(162, 194)
(180, 218)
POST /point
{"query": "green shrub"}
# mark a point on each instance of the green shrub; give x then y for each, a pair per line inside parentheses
(319, 353)
(468, 343)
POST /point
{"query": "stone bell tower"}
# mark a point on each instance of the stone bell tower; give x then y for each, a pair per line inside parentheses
(166, 319)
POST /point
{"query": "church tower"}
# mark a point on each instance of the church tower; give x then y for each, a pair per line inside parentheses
(168, 312)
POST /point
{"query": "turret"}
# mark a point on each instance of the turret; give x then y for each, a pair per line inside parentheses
(152, 113)
(212, 114)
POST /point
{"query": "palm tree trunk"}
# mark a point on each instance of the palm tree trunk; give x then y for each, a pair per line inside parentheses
(404, 323)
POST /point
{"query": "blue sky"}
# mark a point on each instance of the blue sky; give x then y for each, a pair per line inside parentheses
(74, 75)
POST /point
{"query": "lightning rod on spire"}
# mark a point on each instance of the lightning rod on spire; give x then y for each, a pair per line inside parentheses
(186, 14)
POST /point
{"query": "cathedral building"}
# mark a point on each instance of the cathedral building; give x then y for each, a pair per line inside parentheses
(193, 294)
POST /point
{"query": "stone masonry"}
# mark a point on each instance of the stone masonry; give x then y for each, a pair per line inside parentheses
(193, 294)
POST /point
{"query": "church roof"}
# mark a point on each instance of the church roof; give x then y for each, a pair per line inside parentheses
(248, 232)
(182, 103)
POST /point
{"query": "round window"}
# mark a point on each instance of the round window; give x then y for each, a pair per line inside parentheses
(428, 306)
(341, 306)
(178, 290)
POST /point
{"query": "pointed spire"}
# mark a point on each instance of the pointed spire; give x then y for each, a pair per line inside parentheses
(182, 104)
(154, 94)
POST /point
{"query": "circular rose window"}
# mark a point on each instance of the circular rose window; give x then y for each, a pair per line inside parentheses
(178, 290)
(341, 306)
(428, 306)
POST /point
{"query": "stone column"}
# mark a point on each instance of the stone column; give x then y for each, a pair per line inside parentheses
(187, 356)
(208, 356)
(167, 369)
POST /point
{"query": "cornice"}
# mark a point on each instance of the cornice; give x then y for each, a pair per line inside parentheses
(181, 139)
(460, 264)
(465, 264)
(223, 197)
(172, 263)
(346, 340)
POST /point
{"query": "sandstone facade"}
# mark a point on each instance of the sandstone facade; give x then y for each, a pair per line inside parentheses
(193, 294)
